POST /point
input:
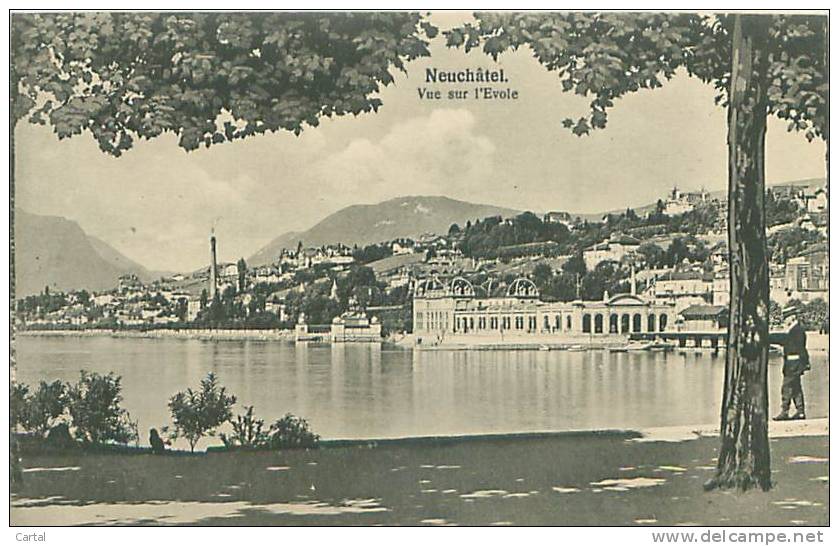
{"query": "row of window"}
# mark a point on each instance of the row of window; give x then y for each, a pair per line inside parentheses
(625, 323)
(433, 320)
(621, 323)
(520, 322)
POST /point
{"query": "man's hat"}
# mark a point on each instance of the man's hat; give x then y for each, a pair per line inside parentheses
(789, 311)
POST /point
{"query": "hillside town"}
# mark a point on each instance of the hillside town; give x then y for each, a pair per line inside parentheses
(671, 258)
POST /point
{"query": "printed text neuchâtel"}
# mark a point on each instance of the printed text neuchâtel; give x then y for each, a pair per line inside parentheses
(465, 76)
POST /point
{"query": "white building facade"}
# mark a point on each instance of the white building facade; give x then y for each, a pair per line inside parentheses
(455, 308)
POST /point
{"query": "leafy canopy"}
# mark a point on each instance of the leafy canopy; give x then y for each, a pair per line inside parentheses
(206, 77)
(95, 406)
(608, 55)
(45, 406)
(198, 413)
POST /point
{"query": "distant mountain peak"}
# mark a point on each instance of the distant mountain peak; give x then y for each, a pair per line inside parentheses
(54, 251)
(406, 216)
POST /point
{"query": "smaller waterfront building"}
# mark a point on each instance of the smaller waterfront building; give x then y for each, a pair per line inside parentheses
(703, 318)
(351, 326)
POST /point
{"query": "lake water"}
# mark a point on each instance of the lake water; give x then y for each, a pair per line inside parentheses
(364, 391)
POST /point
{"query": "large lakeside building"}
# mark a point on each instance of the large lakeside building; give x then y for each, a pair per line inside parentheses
(458, 307)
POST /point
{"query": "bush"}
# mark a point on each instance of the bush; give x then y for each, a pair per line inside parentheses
(94, 405)
(814, 315)
(292, 432)
(18, 394)
(18, 402)
(45, 406)
(198, 413)
(247, 431)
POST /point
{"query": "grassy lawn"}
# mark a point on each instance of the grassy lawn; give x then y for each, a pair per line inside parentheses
(575, 480)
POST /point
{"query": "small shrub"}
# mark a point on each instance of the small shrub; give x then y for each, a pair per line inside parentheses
(292, 432)
(247, 431)
(94, 406)
(198, 413)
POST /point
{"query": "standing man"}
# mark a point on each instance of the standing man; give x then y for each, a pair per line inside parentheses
(796, 362)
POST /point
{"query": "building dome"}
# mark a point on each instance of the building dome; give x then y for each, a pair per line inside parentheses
(461, 287)
(428, 286)
(522, 288)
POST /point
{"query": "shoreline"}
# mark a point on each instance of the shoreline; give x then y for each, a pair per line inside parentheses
(672, 433)
(204, 334)
(815, 341)
(665, 434)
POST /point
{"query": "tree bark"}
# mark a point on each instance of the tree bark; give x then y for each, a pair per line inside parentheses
(15, 471)
(826, 61)
(744, 461)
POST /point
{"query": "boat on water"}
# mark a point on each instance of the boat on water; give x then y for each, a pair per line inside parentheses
(576, 348)
(544, 347)
(663, 346)
(639, 345)
(632, 346)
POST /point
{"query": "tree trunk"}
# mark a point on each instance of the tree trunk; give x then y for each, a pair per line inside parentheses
(744, 452)
(826, 61)
(15, 471)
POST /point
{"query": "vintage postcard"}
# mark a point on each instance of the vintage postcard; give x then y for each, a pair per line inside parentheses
(412, 268)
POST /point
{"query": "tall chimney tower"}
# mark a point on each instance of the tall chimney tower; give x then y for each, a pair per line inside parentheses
(213, 267)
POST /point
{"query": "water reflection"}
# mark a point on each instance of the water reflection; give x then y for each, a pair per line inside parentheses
(362, 391)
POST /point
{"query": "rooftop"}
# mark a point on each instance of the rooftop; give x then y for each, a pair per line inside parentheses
(702, 311)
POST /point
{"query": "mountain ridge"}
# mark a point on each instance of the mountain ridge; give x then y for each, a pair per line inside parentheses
(362, 224)
(317, 234)
(55, 251)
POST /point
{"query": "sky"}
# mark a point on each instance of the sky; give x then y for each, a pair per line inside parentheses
(157, 204)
